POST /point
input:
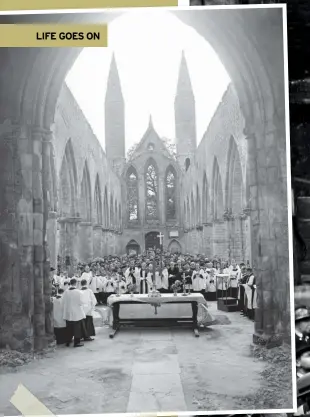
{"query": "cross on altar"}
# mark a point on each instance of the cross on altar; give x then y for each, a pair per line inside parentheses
(161, 237)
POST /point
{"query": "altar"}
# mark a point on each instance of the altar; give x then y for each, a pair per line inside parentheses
(169, 310)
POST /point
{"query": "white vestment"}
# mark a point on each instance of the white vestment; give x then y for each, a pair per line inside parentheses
(248, 292)
(89, 301)
(199, 283)
(158, 281)
(73, 305)
(87, 276)
(164, 279)
(59, 322)
(94, 284)
(109, 285)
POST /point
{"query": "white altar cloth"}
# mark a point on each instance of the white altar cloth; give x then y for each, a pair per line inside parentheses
(204, 317)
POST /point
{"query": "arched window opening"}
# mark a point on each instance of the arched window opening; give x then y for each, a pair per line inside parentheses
(171, 202)
(151, 183)
(132, 195)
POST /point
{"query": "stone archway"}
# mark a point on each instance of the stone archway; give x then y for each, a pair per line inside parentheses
(133, 248)
(174, 247)
(249, 43)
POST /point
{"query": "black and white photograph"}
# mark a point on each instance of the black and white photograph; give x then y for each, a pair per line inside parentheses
(146, 215)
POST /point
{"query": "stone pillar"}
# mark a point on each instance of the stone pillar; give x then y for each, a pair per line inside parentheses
(85, 233)
(207, 238)
(269, 231)
(98, 241)
(51, 230)
(16, 233)
(220, 243)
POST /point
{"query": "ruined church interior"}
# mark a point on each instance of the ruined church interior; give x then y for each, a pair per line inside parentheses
(65, 199)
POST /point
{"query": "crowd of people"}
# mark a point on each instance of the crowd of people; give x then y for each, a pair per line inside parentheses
(76, 297)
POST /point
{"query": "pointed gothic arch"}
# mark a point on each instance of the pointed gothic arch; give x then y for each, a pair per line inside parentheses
(188, 213)
(234, 179)
(106, 209)
(217, 192)
(68, 183)
(174, 246)
(112, 220)
(151, 190)
(205, 199)
(132, 186)
(198, 206)
(116, 214)
(171, 193)
(85, 195)
(193, 212)
(120, 216)
(98, 202)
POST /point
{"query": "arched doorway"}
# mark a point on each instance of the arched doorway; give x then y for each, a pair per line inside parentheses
(132, 248)
(174, 247)
(152, 241)
(254, 60)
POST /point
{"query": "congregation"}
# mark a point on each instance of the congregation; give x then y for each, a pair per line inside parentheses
(75, 297)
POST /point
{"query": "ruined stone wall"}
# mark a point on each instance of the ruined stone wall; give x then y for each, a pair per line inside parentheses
(217, 227)
(84, 233)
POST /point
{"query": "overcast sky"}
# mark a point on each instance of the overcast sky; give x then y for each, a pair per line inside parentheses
(148, 46)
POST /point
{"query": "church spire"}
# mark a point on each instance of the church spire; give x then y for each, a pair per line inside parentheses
(185, 116)
(151, 125)
(114, 89)
(184, 80)
(114, 117)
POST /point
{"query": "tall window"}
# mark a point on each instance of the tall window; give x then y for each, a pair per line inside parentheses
(170, 194)
(151, 182)
(132, 194)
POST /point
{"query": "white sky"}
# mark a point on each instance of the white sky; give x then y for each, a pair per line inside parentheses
(147, 47)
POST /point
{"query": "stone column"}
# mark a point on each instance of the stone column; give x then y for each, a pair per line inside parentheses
(98, 240)
(207, 237)
(16, 234)
(269, 231)
(51, 230)
(85, 233)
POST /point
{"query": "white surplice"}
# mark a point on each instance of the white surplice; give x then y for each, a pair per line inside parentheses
(73, 305)
(165, 279)
(87, 276)
(59, 322)
(89, 301)
(94, 283)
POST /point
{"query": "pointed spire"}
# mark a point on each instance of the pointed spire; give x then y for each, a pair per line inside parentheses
(151, 125)
(114, 89)
(184, 81)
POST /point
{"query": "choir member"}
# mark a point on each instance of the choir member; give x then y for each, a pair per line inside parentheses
(234, 274)
(199, 283)
(74, 315)
(210, 285)
(94, 284)
(87, 274)
(89, 303)
(60, 329)
(164, 279)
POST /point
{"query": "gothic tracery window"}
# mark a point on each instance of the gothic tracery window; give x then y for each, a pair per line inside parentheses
(151, 183)
(132, 195)
(171, 195)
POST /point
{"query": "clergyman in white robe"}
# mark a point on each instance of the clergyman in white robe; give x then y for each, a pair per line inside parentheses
(89, 303)
(73, 313)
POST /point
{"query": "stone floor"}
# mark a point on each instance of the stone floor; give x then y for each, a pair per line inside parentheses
(145, 370)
